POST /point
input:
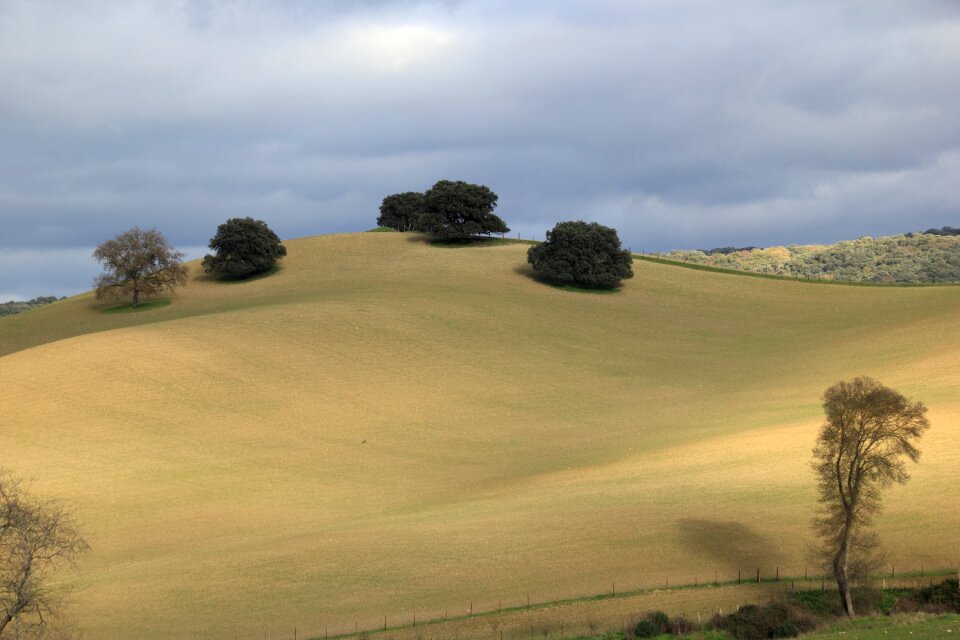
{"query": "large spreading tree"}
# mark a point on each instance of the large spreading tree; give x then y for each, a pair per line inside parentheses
(244, 247)
(460, 211)
(138, 263)
(402, 211)
(869, 431)
(583, 254)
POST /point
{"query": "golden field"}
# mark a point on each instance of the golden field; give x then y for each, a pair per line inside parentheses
(385, 426)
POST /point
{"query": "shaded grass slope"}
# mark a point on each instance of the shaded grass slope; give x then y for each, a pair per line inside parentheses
(384, 426)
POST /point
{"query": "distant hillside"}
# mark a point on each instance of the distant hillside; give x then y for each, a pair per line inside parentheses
(13, 306)
(929, 257)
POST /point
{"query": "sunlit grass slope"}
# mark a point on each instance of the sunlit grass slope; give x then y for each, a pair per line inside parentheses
(384, 426)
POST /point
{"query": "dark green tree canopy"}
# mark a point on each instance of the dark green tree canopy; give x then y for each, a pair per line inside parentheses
(244, 247)
(460, 210)
(402, 211)
(584, 254)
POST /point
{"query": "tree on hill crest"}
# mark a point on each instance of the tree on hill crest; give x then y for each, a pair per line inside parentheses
(402, 211)
(138, 263)
(243, 247)
(460, 211)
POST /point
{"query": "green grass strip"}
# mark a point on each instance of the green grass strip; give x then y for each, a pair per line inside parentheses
(143, 306)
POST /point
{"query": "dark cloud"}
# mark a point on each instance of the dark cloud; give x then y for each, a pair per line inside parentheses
(681, 124)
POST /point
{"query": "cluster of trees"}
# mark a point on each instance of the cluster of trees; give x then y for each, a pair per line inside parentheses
(575, 253)
(449, 210)
(139, 263)
(142, 262)
(909, 258)
(14, 306)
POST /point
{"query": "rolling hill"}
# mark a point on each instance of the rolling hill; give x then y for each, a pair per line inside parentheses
(386, 426)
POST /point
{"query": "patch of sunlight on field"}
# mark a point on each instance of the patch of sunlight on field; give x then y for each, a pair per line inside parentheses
(384, 426)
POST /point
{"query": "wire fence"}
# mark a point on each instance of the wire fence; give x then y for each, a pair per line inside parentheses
(617, 608)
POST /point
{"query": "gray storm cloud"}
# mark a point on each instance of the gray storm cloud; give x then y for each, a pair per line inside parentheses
(682, 124)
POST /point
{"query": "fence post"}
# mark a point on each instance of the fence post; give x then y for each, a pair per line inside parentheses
(758, 574)
(738, 576)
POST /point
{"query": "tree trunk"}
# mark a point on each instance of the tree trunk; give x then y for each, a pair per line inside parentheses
(841, 567)
(136, 297)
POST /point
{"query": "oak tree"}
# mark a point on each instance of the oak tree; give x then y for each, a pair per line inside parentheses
(869, 432)
(460, 211)
(582, 254)
(402, 211)
(243, 247)
(138, 263)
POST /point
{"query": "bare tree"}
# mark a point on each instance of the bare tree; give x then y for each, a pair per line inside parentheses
(869, 430)
(137, 263)
(37, 538)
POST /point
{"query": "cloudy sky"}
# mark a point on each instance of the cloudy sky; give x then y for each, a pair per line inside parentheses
(682, 124)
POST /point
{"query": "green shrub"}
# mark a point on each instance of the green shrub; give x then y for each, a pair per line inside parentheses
(754, 622)
(821, 603)
(646, 629)
(660, 620)
(382, 230)
(945, 593)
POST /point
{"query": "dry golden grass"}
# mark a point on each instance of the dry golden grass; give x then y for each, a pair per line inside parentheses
(385, 426)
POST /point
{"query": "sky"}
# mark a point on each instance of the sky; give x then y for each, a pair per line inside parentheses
(681, 124)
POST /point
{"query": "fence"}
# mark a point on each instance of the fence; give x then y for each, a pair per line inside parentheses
(614, 609)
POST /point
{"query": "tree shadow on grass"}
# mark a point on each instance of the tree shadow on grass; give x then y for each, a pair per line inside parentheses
(729, 544)
(462, 243)
(527, 270)
(222, 279)
(143, 306)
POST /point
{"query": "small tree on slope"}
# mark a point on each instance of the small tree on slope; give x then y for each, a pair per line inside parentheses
(137, 263)
(869, 429)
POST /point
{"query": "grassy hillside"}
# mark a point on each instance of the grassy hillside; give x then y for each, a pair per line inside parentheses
(385, 426)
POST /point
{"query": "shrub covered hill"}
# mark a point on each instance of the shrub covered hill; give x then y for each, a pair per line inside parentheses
(929, 257)
(16, 306)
